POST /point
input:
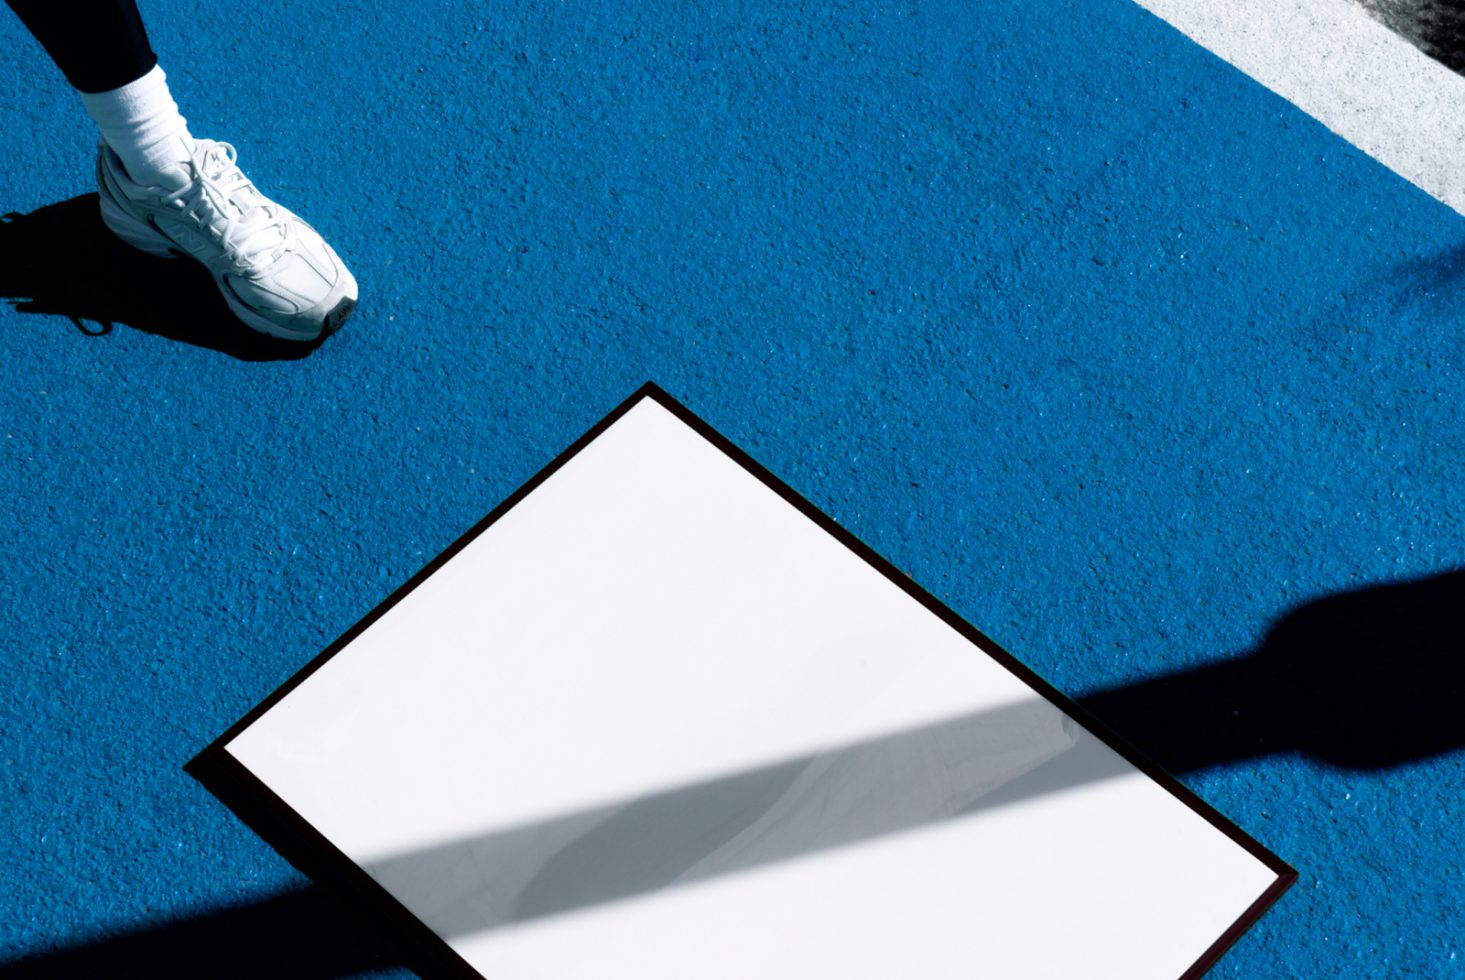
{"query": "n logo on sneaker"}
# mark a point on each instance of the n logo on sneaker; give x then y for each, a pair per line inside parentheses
(188, 242)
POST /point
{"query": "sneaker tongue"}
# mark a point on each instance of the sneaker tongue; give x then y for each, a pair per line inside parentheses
(242, 199)
(247, 205)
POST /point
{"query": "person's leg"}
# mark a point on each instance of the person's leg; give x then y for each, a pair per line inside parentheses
(99, 45)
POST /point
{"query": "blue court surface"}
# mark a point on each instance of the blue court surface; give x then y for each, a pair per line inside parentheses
(1128, 360)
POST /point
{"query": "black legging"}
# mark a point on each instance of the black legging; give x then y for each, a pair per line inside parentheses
(99, 45)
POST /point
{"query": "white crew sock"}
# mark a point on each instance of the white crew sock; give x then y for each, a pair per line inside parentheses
(141, 123)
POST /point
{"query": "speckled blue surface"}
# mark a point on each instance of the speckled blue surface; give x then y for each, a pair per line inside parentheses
(1115, 352)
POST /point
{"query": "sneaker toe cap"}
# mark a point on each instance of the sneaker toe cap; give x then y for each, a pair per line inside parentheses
(299, 296)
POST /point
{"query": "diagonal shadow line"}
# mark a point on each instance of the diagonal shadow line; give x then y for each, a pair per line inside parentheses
(820, 801)
(1366, 680)
(774, 813)
(817, 802)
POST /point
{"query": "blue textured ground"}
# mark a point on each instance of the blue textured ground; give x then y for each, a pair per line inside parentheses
(1116, 352)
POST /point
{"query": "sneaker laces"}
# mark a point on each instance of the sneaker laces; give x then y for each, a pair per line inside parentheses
(250, 226)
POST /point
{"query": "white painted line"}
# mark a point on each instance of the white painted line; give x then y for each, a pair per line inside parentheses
(1351, 73)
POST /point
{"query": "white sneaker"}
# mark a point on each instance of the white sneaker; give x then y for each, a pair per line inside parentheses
(276, 273)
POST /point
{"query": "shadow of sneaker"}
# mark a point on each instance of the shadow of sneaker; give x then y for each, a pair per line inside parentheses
(62, 261)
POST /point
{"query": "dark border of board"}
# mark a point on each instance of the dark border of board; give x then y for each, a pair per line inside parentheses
(429, 955)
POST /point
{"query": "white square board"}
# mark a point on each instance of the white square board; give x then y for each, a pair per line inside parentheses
(656, 717)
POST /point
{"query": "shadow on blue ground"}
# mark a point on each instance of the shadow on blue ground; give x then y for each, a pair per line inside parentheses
(61, 260)
(1366, 680)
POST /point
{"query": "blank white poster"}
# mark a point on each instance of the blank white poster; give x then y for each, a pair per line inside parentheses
(656, 722)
